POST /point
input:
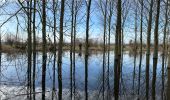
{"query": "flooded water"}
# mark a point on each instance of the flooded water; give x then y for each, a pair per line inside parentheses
(13, 76)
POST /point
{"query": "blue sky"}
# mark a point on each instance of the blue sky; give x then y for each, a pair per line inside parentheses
(96, 21)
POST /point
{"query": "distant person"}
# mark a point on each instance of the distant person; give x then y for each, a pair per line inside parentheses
(80, 46)
(80, 54)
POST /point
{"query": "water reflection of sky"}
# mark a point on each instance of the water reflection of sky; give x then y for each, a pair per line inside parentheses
(14, 69)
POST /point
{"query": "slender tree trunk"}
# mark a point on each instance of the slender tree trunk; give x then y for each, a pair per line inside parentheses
(74, 49)
(0, 45)
(164, 50)
(104, 46)
(108, 68)
(117, 58)
(121, 64)
(30, 36)
(55, 3)
(34, 50)
(135, 51)
(141, 45)
(0, 53)
(148, 50)
(0, 42)
(54, 82)
(0, 56)
(168, 83)
(29, 50)
(71, 50)
(16, 37)
(60, 51)
(155, 55)
(44, 56)
(87, 48)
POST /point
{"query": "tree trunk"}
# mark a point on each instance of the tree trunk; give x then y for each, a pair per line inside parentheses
(117, 62)
(74, 49)
(60, 51)
(164, 50)
(44, 56)
(34, 50)
(71, 50)
(168, 83)
(55, 3)
(87, 48)
(108, 68)
(29, 50)
(148, 50)
(155, 55)
(0, 54)
(141, 45)
(104, 46)
(135, 51)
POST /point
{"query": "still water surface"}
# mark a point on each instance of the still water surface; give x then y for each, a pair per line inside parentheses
(14, 72)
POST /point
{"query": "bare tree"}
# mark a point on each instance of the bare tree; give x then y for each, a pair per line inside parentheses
(168, 83)
(34, 49)
(87, 48)
(108, 59)
(104, 44)
(155, 55)
(71, 50)
(74, 45)
(164, 49)
(117, 58)
(44, 56)
(29, 50)
(55, 4)
(141, 46)
(126, 5)
(135, 49)
(60, 51)
(148, 49)
(0, 52)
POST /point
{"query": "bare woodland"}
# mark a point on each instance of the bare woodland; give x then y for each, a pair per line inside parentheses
(48, 29)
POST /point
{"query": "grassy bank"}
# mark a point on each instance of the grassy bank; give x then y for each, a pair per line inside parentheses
(13, 48)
